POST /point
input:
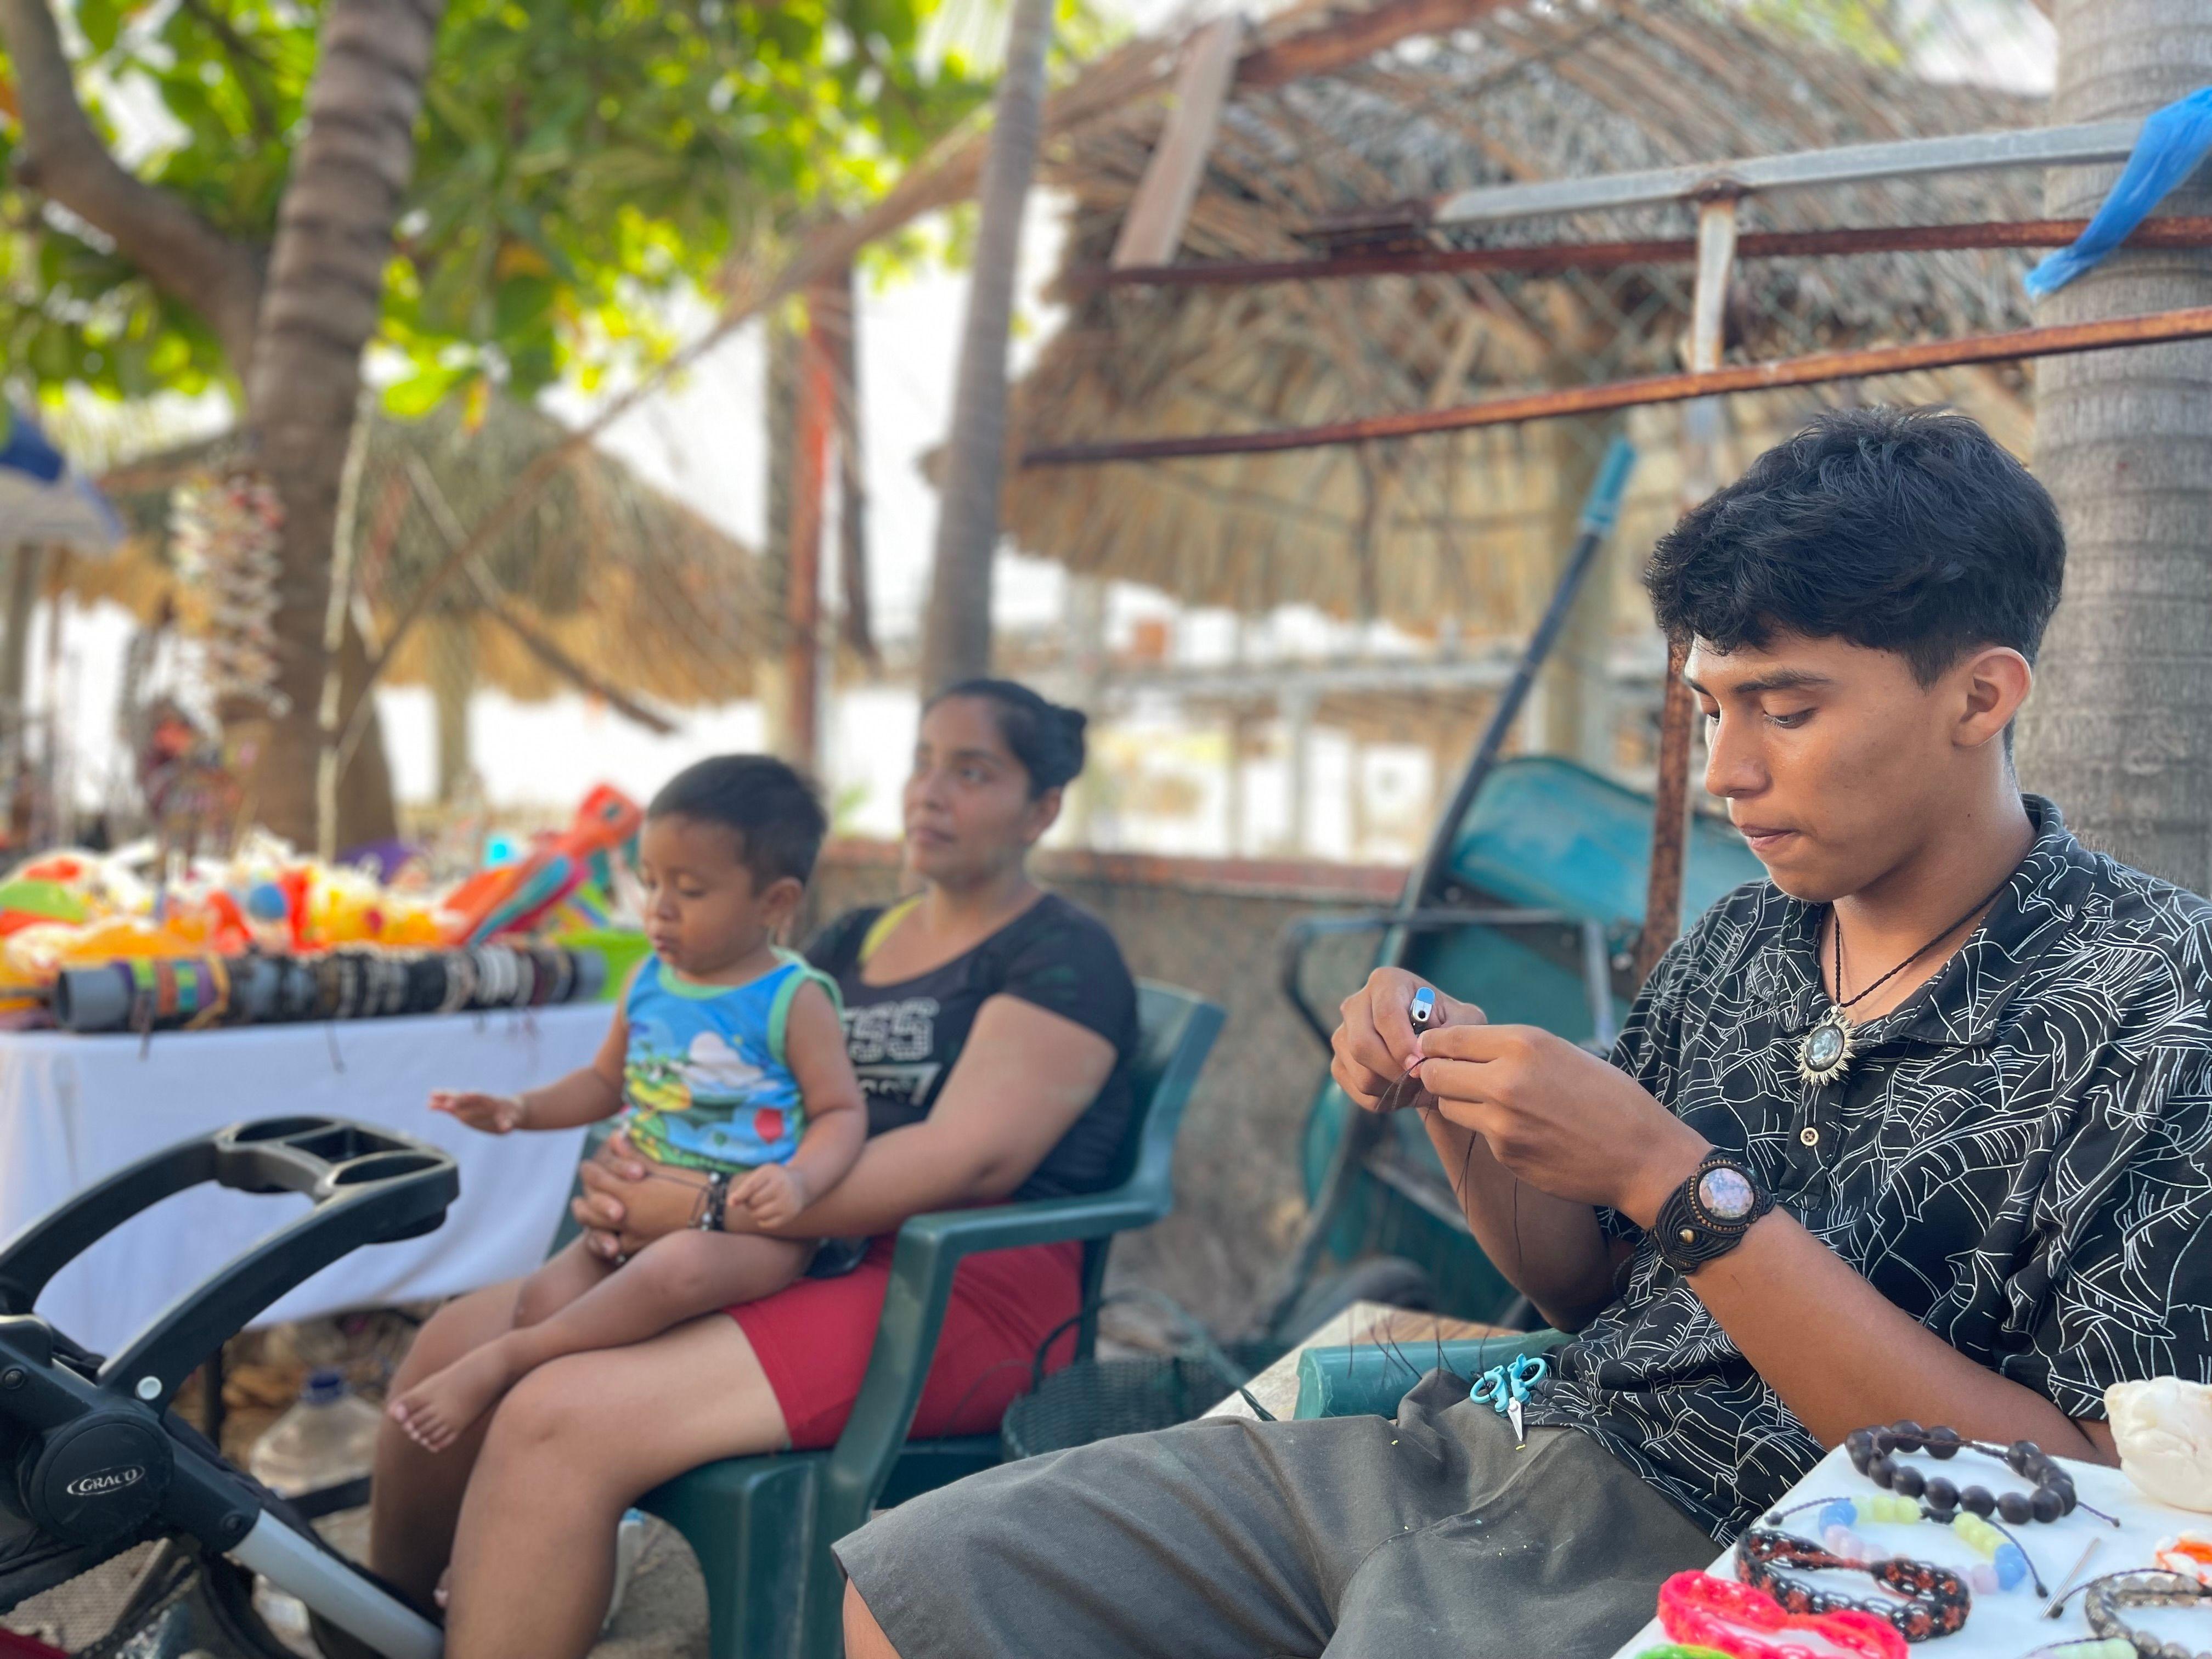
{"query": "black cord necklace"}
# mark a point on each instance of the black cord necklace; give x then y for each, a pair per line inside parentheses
(1826, 1052)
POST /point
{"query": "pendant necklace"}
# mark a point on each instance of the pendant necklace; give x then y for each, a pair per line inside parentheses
(1826, 1052)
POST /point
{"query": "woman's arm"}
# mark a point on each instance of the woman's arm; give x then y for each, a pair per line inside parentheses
(1023, 1077)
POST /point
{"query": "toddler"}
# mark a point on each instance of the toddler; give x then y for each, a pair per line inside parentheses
(728, 1061)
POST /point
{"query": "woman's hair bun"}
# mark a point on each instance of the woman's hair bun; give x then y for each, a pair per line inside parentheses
(1045, 737)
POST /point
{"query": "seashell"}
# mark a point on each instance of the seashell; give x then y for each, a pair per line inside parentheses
(2164, 1431)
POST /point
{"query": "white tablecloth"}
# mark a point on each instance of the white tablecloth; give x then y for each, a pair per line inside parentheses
(74, 1109)
(2009, 1624)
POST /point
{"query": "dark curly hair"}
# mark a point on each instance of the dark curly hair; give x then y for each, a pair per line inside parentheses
(1904, 530)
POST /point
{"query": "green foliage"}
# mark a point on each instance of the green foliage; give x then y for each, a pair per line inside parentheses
(576, 162)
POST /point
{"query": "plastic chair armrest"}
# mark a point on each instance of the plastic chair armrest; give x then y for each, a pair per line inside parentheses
(930, 1247)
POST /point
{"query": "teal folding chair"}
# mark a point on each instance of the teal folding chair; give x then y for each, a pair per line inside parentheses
(761, 1527)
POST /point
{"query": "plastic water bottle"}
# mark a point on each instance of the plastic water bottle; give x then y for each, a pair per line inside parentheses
(327, 1437)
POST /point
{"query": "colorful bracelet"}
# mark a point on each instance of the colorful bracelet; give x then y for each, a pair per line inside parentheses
(2005, 1564)
(1745, 1623)
(1682, 1650)
(1935, 1599)
(2145, 1587)
(1873, 1455)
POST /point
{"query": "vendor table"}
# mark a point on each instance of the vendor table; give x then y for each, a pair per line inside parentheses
(2009, 1625)
(74, 1109)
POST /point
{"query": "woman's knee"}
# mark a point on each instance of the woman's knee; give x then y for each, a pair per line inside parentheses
(466, 1324)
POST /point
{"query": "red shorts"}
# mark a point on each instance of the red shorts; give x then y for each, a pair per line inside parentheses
(813, 1338)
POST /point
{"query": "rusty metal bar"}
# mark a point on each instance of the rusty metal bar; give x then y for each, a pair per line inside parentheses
(2190, 323)
(1550, 258)
(1670, 811)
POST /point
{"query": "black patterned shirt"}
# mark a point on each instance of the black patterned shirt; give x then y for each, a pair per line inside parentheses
(2020, 1156)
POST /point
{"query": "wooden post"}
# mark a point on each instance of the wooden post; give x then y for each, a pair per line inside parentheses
(802, 636)
(1670, 806)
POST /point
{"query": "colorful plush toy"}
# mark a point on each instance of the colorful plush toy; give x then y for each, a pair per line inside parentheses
(510, 898)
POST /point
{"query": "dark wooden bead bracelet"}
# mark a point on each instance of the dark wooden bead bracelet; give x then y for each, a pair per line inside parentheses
(1873, 1454)
(1935, 1599)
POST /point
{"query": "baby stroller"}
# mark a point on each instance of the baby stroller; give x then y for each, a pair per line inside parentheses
(134, 1535)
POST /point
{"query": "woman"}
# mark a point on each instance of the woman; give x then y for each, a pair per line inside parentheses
(991, 1025)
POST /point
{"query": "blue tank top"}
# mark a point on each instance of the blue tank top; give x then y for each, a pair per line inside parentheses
(704, 1080)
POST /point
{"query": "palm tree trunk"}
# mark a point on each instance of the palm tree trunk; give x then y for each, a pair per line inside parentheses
(2119, 730)
(956, 641)
(322, 304)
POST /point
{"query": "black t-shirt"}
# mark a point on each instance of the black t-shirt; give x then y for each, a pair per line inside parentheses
(903, 1038)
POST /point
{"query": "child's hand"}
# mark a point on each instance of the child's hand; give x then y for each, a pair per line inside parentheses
(496, 1115)
(774, 1193)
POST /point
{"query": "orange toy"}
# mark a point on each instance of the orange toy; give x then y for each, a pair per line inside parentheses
(513, 895)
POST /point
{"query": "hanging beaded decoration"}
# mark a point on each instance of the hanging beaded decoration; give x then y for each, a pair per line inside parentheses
(225, 532)
(1933, 1601)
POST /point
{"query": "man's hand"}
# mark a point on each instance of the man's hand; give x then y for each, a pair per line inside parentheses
(1374, 1044)
(774, 1193)
(496, 1115)
(1562, 1120)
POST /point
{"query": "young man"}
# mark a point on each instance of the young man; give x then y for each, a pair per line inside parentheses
(1920, 1128)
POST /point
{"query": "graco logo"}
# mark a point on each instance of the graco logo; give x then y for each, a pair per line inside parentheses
(104, 1481)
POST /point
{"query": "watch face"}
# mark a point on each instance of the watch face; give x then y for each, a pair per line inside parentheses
(1725, 1195)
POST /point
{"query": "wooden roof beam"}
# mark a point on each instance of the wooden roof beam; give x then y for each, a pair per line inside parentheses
(1152, 229)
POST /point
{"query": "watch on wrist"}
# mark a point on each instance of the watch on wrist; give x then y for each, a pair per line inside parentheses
(1707, 1215)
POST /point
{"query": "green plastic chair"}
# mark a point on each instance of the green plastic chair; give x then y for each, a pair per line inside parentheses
(761, 1527)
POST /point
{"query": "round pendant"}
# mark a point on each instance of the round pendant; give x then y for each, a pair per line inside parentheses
(1826, 1052)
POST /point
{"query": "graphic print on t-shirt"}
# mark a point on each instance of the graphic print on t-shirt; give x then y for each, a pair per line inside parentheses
(890, 1045)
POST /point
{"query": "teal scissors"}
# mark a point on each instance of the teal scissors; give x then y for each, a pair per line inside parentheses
(1505, 1388)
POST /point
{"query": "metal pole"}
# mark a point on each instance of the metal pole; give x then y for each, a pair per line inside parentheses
(1600, 511)
(1847, 164)
(1549, 258)
(1670, 797)
(2191, 323)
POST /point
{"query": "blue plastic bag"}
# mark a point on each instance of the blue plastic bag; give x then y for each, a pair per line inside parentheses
(2174, 140)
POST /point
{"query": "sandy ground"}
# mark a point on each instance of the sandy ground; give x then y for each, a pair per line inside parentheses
(663, 1613)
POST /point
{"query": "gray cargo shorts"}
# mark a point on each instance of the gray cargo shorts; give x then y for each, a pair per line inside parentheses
(1428, 1538)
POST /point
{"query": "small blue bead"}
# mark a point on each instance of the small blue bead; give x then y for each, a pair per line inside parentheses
(1840, 1513)
(2011, 1565)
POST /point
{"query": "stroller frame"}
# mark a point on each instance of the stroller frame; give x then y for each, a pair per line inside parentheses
(95, 1462)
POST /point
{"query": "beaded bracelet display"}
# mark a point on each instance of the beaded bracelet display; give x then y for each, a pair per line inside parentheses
(2004, 1565)
(1872, 1454)
(1747, 1623)
(1935, 1599)
(2104, 1598)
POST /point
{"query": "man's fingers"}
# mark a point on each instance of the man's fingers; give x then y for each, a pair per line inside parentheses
(1478, 1043)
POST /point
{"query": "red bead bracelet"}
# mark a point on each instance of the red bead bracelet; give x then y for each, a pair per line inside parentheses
(1749, 1624)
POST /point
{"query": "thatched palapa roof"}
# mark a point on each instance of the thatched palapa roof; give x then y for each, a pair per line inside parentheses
(656, 600)
(1466, 525)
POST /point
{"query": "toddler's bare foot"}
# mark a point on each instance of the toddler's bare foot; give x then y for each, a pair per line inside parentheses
(436, 1411)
